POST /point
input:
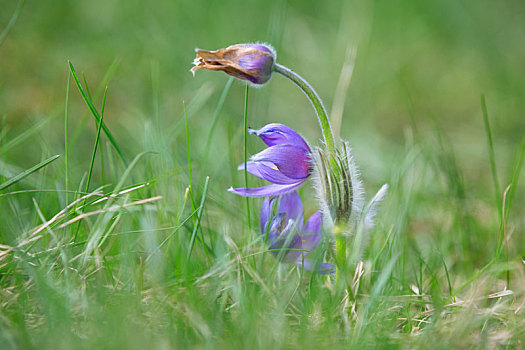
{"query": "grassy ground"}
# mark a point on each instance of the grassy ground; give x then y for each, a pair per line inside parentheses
(108, 246)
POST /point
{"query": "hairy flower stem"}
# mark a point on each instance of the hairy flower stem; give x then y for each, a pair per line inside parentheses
(314, 98)
(340, 256)
(329, 140)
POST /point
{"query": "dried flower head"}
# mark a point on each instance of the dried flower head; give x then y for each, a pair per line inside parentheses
(251, 62)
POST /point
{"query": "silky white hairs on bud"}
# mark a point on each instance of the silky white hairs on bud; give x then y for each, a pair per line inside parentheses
(373, 207)
(340, 193)
(269, 46)
(358, 200)
(335, 189)
(319, 187)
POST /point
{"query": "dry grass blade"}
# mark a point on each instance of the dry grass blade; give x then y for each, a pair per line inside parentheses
(62, 213)
(110, 209)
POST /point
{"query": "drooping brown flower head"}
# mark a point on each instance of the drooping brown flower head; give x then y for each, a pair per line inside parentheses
(250, 62)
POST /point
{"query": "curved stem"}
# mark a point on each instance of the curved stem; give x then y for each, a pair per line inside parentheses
(314, 98)
(329, 139)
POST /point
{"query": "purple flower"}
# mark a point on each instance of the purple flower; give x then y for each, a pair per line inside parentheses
(286, 234)
(286, 162)
(251, 62)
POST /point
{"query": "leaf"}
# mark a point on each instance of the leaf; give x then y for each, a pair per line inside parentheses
(28, 172)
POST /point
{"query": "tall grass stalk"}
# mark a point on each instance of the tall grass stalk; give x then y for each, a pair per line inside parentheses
(246, 154)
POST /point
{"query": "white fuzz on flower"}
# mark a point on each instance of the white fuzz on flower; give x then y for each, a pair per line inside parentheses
(340, 192)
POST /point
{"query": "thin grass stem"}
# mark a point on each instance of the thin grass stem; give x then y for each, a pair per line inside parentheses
(27, 172)
(95, 147)
(246, 154)
(66, 141)
(492, 155)
(199, 216)
(96, 115)
(12, 21)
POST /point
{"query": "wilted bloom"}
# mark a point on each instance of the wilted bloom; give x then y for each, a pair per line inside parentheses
(250, 62)
(285, 234)
(286, 162)
(341, 192)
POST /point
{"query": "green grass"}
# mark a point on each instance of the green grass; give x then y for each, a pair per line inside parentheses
(119, 233)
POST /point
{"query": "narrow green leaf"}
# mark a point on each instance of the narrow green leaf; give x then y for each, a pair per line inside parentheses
(28, 172)
(199, 215)
(12, 21)
(492, 156)
(23, 136)
(95, 147)
(96, 114)
(246, 154)
(66, 134)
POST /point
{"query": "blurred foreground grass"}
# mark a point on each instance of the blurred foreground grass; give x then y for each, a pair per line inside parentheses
(117, 268)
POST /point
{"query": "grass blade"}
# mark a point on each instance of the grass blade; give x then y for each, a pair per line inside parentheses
(246, 154)
(12, 21)
(199, 215)
(27, 133)
(80, 126)
(96, 114)
(96, 142)
(188, 147)
(491, 151)
(28, 172)
(66, 131)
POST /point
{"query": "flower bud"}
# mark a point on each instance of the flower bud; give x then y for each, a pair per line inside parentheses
(251, 62)
(340, 191)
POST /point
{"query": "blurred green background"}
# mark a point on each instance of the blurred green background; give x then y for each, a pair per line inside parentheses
(415, 61)
(412, 111)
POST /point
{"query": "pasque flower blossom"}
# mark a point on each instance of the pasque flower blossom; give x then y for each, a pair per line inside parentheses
(286, 162)
(291, 241)
(250, 62)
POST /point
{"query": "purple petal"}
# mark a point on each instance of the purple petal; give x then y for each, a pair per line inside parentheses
(291, 204)
(267, 48)
(277, 134)
(310, 240)
(257, 62)
(312, 234)
(314, 223)
(280, 224)
(278, 228)
(267, 171)
(292, 161)
(265, 212)
(270, 190)
(290, 251)
(318, 267)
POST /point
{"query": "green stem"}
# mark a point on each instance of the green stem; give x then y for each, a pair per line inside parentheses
(340, 256)
(329, 140)
(246, 154)
(314, 98)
